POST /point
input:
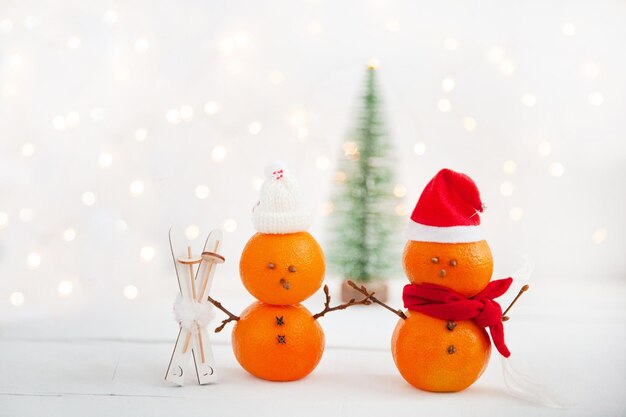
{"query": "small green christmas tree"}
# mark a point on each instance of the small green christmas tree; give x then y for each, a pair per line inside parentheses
(365, 229)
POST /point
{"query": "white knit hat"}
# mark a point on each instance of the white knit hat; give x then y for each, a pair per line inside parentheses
(280, 210)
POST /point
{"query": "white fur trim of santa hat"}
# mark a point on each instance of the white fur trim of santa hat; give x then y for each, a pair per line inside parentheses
(451, 234)
(280, 209)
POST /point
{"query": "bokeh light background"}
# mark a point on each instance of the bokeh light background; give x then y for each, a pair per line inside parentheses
(118, 119)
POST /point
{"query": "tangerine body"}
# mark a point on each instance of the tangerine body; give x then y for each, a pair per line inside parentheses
(434, 355)
(277, 343)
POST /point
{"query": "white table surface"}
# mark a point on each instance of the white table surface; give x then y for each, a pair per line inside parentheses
(572, 338)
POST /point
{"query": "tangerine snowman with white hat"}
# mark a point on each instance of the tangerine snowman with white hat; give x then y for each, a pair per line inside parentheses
(276, 338)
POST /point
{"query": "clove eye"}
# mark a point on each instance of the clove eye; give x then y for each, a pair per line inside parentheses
(435, 260)
(453, 262)
(292, 268)
(271, 265)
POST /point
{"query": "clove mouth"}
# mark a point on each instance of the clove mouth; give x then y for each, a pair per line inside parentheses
(285, 283)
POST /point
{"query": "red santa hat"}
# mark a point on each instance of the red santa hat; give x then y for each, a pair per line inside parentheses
(447, 211)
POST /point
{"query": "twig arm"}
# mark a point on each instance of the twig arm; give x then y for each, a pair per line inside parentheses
(519, 294)
(328, 308)
(370, 296)
(231, 316)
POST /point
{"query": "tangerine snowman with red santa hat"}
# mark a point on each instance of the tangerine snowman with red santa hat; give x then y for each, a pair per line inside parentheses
(442, 344)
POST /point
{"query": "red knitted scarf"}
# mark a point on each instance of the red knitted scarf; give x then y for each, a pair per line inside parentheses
(443, 303)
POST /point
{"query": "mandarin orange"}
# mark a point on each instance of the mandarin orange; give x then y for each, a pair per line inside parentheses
(438, 355)
(277, 343)
(282, 269)
(463, 267)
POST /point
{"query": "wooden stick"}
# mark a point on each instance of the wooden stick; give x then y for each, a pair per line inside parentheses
(198, 298)
(205, 279)
(201, 344)
(364, 291)
(187, 340)
(519, 294)
(192, 283)
(205, 282)
(191, 279)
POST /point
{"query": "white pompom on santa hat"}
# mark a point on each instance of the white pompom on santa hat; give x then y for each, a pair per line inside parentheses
(280, 209)
(447, 211)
